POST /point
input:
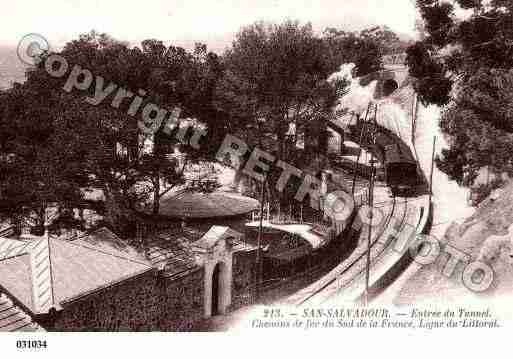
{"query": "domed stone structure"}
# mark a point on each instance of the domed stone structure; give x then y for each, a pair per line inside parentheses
(195, 205)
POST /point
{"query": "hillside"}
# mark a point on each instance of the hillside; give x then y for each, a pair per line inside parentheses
(483, 236)
(11, 68)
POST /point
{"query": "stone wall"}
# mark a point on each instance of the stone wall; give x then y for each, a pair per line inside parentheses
(145, 303)
(129, 306)
(181, 302)
(244, 276)
(152, 302)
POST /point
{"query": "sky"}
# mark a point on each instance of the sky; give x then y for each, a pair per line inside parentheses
(184, 22)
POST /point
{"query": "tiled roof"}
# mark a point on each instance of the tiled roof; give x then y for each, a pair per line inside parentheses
(207, 205)
(14, 319)
(16, 279)
(30, 261)
(172, 253)
(80, 268)
(215, 234)
(71, 268)
(106, 241)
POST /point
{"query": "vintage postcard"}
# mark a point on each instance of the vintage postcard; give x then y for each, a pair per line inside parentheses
(251, 167)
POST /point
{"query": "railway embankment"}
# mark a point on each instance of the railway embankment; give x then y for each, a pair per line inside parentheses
(484, 236)
(389, 255)
(347, 270)
(394, 268)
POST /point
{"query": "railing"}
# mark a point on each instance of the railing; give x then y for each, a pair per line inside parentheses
(145, 229)
(7, 231)
(299, 280)
(282, 219)
(361, 198)
(320, 224)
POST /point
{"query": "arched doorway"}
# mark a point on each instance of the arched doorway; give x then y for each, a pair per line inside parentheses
(389, 87)
(217, 290)
(215, 253)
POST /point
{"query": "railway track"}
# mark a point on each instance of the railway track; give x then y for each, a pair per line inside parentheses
(347, 278)
(353, 265)
(351, 282)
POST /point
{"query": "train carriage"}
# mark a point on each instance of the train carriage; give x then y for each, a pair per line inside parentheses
(400, 169)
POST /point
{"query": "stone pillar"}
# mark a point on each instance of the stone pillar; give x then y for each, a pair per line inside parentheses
(215, 249)
(224, 285)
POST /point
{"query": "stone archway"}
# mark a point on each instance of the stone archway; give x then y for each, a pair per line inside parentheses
(389, 87)
(218, 289)
(214, 251)
(219, 295)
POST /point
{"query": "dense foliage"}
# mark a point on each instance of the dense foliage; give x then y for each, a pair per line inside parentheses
(55, 145)
(365, 48)
(464, 63)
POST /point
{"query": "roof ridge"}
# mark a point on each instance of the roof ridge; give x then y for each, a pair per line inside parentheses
(15, 256)
(107, 285)
(74, 243)
(41, 276)
(228, 209)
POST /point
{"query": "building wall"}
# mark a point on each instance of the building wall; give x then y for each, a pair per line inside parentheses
(244, 276)
(145, 303)
(181, 302)
(131, 305)
(152, 302)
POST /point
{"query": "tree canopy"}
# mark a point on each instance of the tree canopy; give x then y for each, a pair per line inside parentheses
(464, 63)
(63, 135)
(56, 142)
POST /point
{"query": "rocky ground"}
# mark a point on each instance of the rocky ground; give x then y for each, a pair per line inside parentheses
(478, 237)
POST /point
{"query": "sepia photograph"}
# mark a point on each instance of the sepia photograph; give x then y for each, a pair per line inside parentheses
(254, 166)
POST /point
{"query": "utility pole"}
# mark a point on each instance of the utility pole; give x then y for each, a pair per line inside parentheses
(360, 153)
(376, 107)
(415, 110)
(371, 204)
(259, 251)
(432, 169)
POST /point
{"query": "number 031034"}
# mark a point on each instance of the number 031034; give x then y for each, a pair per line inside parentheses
(31, 344)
